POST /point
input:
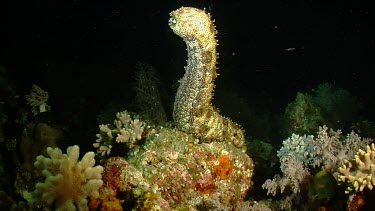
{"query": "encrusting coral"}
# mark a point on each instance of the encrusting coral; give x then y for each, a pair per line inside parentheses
(193, 112)
(68, 182)
(181, 173)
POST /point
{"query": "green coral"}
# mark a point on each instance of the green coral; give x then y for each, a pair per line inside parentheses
(302, 116)
(338, 105)
(324, 105)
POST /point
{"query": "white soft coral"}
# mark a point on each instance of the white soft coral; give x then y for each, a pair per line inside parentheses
(68, 181)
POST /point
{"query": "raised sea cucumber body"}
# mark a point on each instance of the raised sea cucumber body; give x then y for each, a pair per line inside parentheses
(193, 111)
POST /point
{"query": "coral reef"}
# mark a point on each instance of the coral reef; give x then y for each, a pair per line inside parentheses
(197, 166)
(193, 112)
(199, 162)
(68, 182)
(121, 177)
(181, 173)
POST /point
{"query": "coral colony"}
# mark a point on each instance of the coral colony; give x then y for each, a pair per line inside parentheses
(200, 163)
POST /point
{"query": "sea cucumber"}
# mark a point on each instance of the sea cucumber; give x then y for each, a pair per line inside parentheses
(193, 111)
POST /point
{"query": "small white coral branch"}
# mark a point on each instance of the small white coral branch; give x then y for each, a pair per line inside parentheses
(103, 143)
(130, 130)
(125, 129)
(68, 181)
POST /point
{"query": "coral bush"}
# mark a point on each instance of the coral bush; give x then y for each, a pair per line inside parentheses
(300, 154)
(302, 115)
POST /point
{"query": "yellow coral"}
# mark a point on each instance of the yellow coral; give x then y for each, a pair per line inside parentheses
(68, 182)
(105, 202)
(359, 172)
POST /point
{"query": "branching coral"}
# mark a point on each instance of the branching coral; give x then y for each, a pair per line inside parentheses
(125, 129)
(68, 182)
(359, 173)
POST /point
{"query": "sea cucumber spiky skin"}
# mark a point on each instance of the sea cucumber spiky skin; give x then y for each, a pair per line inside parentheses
(193, 112)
